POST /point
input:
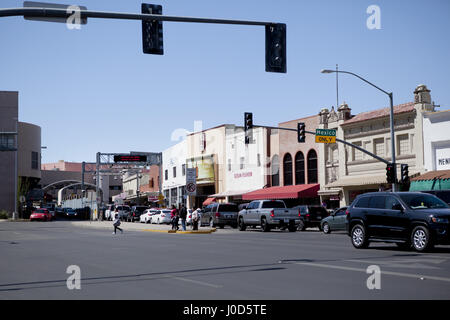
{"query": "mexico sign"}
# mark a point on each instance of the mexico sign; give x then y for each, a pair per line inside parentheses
(325, 135)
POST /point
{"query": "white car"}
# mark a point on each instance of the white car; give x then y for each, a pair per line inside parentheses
(146, 216)
(161, 216)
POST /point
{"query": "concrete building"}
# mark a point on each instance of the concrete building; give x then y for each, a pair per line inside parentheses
(346, 172)
(247, 166)
(174, 174)
(436, 140)
(28, 154)
(206, 152)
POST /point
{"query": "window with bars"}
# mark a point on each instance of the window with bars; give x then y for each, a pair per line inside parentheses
(379, 147)
(402, 144)
(357, 155)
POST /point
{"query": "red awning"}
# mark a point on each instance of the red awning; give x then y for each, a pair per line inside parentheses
(286, 192)
(208, 201)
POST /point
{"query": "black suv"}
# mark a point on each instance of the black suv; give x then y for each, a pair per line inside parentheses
(408, 219)
(311, 216)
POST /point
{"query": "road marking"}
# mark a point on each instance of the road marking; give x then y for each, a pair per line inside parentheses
(409, 263)
(399, 274)
(197, 282)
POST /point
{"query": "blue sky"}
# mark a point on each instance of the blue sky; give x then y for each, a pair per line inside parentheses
(94, 90)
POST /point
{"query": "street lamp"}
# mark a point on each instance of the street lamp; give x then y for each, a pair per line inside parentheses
(390, 94)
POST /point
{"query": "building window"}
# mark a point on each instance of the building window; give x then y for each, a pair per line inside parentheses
(402, 144)
(34, 160)
(152, 183)
(183, 170)
(259, 160)
(174, 172)
(299, 168)
(287, 170)
(275, 171)
(379, 147)
(229, 165)
(166, 174)
(312, 166)
(357, 155)
(242, 163)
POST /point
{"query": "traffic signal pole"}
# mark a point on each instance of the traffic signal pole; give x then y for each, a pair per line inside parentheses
(62, 13)
(337, 139)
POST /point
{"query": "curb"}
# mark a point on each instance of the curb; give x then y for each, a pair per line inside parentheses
(181, 232)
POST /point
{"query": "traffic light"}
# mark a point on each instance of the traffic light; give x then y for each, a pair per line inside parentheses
(390, 173)
(301, 132)
(248, 126)
(152, 31)
(404, 173)
(276, 48)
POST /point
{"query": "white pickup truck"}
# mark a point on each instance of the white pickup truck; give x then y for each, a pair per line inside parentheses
(268, 214)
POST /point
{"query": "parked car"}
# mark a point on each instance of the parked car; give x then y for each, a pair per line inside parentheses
(146, 216)
(135, 213)
(269, 214)
(59, 212)
(70, 213)
(335, 221)
(408, 219)
(41, 214)
(109, 212)
(220, 215)
(162, 216)
(311, 216)
(122, 211)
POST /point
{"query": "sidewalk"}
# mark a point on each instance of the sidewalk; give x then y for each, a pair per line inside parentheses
(137, 226)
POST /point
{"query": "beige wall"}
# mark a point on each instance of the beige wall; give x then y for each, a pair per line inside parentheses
(29, 141)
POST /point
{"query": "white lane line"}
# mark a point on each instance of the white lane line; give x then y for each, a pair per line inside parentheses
(398, 274)
(197, 282)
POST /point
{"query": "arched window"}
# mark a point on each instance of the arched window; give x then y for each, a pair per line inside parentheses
(299, 168)
(287, 170)
(312, 167)
(275, 171)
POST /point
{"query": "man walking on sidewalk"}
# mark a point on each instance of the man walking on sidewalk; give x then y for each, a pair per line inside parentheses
(183, 215)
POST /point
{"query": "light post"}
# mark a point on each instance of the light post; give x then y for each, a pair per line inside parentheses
(390, 94)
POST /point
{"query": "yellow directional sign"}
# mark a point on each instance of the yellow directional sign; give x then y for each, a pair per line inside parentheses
(325, 139)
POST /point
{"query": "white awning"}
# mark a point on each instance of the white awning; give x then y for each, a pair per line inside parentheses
(358, 181)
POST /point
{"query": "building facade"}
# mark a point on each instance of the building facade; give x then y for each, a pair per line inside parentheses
(346, 172)
(174, 174)
(27, 138)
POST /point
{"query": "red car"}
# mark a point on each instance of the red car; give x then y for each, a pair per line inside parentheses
(41, 214)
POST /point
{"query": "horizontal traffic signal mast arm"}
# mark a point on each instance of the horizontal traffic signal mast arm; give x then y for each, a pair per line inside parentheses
(62, 13)
(337, 139)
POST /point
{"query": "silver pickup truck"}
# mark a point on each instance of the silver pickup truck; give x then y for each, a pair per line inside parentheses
(268, 214)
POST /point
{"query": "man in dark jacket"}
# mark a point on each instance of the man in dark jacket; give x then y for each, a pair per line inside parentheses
(183, 215)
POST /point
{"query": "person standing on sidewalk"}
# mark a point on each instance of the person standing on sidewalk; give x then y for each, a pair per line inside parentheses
(174, 216)
(116, 224)
(183, 215)
(195, 219)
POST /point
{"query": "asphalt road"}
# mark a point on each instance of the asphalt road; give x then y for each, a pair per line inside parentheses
(227, 264)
